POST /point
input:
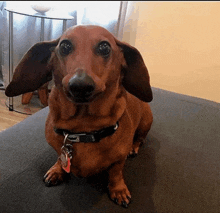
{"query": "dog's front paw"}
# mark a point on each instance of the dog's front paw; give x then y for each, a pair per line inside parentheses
(55, 175)
(120, 194)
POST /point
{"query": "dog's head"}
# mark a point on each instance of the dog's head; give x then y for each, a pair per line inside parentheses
(86, 61)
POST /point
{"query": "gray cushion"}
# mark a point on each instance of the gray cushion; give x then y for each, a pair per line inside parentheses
(177, 170)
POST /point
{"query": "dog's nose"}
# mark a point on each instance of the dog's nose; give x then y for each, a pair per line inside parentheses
(81, 85)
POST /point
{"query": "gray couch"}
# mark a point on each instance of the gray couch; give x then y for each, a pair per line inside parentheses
(177, 170)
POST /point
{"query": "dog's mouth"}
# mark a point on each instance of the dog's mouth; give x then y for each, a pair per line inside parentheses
(81, 98)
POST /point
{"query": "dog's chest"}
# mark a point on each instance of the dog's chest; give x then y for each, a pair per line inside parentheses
(88, 159)
(91, 158)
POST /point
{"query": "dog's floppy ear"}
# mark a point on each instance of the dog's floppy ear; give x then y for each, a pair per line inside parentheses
(32, 71)
(136, 77)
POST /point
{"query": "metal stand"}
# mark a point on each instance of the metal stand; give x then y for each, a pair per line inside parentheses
(63, 17)
(10, 56)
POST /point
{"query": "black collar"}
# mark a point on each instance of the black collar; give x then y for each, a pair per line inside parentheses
(88, 137)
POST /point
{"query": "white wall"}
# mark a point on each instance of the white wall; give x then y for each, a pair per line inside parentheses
(180, 43)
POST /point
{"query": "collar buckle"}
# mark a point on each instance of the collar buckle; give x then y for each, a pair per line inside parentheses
(76, 138)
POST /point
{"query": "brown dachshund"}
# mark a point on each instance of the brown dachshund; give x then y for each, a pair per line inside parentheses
(97, 110)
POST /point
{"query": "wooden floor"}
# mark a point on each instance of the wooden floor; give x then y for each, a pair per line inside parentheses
(7, 118)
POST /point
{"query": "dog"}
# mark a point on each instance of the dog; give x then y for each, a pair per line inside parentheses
(98, 110)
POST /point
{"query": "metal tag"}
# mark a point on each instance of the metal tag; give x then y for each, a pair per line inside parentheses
(66, 156)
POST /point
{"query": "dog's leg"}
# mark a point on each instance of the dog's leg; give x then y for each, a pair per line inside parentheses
(139, 139)
(142, 131)
(118, 190)
(136, 146)
(55, 175)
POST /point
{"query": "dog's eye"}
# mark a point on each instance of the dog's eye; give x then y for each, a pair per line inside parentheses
(104, 48)
(66, 47)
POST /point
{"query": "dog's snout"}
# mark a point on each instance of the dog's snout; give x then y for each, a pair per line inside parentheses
(81, 86)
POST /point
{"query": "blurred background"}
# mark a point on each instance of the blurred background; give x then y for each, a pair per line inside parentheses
(179, 41)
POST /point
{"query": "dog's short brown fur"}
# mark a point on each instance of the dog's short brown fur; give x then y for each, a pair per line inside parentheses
(121, 89)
